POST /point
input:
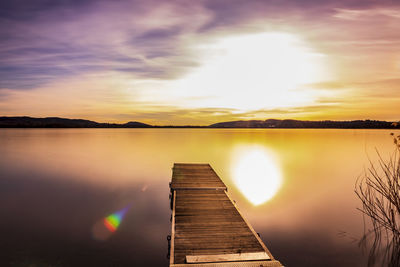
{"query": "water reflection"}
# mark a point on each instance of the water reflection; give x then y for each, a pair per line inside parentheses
(256, 173)
(79, 176)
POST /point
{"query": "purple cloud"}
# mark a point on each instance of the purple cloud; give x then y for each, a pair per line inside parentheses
(42, 41)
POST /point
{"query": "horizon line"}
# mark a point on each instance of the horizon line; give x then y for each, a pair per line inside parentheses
(396, 123)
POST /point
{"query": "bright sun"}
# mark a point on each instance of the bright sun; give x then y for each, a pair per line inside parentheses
(259, 71)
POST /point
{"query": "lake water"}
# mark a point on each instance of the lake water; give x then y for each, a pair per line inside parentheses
(56, 185)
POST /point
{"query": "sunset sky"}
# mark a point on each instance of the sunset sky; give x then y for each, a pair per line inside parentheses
(200, 62)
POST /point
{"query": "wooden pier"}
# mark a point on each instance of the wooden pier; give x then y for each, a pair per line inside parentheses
(207, 228)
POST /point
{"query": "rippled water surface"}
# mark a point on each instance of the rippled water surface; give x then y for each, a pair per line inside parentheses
(58, 187)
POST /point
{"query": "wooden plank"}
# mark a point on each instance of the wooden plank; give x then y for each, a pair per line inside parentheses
(202, 226)
(227, 257)
(191, 176)
(172, 249)
(269, 263)
(207, 227)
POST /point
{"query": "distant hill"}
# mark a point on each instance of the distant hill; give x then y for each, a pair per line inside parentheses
(272, 123)
(54, 122)
(134, 124)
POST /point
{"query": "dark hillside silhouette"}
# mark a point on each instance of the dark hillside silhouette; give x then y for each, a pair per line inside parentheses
(55, 122)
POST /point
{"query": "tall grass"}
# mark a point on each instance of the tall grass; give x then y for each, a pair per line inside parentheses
(379, 192)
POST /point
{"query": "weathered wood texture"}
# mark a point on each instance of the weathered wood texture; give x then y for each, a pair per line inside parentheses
(272, 263)
(195, 176)
(227, 257)
(206, 222)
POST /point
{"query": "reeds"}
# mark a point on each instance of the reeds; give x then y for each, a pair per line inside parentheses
(379, 189)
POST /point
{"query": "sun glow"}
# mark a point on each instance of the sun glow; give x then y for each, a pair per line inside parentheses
(256, 174)
(259, 71)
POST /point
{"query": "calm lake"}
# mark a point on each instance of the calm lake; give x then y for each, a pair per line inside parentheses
(295, 187)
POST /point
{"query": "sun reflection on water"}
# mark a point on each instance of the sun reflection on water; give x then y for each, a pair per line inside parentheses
(256, 173)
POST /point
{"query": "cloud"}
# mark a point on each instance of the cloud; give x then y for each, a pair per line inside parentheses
(108, 99)
(141, 40)
(45, 47)
(45, 41)
(363, 14)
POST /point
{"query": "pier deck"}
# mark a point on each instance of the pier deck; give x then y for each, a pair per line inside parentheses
(207, 227)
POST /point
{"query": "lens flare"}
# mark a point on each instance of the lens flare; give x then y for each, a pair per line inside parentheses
(113, 221)
(104, 228)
